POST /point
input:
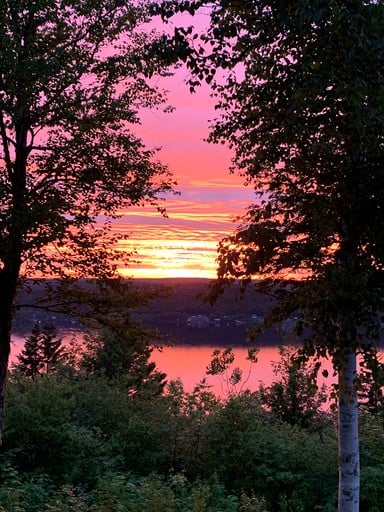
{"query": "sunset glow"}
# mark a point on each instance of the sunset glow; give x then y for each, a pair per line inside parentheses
(184, 244)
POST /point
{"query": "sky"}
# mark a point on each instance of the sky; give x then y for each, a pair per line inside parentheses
(185, 243)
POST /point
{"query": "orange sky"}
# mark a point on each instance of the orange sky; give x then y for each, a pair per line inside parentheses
(184, 244)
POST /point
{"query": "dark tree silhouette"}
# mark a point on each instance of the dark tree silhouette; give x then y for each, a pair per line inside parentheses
(42, 351)
(300, 90)
(73, 78)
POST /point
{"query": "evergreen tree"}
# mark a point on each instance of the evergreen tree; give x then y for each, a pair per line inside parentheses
(41, 353)
(29, 359)
(124, 355)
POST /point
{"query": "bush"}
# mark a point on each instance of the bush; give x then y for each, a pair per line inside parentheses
(288, 466)
(115, 492)
(82, 442)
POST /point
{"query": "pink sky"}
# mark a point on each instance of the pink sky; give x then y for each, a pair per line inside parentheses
(184, 244)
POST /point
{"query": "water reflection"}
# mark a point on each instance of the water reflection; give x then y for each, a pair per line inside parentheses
(189, 363)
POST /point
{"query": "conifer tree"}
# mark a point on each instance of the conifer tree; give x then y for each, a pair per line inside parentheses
(29, 359)
(42, 351)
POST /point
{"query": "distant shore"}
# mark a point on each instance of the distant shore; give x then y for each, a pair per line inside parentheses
(181, 318)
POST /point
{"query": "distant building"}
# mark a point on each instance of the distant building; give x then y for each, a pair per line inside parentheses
(199, 321)
(256, 320)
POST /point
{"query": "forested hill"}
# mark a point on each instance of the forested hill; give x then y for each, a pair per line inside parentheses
(182, 307)
(184, 299)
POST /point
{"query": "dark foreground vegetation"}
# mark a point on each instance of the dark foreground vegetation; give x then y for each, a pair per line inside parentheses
(89, 432)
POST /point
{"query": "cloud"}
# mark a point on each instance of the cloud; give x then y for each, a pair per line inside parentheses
(185, 243)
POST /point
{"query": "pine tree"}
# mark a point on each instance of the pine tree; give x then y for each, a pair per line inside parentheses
(41, 353)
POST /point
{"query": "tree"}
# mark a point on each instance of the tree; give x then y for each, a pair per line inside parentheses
(41, 353)
(301, 104)
(124, 355)
(294, 396)
(221, 364)
(29, 359)
(73, 78)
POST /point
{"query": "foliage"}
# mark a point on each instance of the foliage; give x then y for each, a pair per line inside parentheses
(306, 122)
(294, 396)
(221, 364)
(372, 446)
(250, 451)
(81, 440)
(174, 495)
(300, 93)
(252, 504)
(41, 436)
(370, 385)
(117, 491)
(74, 77)
(42, 352)
(188, 416)
(124, 355)
(74, 430)
(17, 495)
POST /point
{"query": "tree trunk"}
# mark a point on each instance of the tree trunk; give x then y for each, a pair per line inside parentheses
(4, 357)
(13, 242)
(349, 459)
(8, 290)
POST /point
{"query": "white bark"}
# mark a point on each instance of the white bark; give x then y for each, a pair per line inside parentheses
(349, 459)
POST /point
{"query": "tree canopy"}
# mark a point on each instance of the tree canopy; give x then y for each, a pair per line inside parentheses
(302, 107)
(42, 352)
(74, 76)
(300, 91)
(73, 80)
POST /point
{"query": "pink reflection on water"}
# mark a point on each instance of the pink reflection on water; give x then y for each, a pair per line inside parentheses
(189, 363)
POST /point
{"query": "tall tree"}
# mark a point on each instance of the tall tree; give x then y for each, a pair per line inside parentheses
(300, 95)
(29, 359)
(124, 355)
(41, 353)
(73, 78)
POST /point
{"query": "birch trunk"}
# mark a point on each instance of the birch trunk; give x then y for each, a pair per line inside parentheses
(349, 458)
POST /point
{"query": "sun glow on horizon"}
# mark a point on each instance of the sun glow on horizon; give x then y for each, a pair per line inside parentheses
(162, 273)
(170, 256)
(185, 242)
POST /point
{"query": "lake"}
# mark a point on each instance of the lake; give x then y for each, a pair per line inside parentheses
(189, 362)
